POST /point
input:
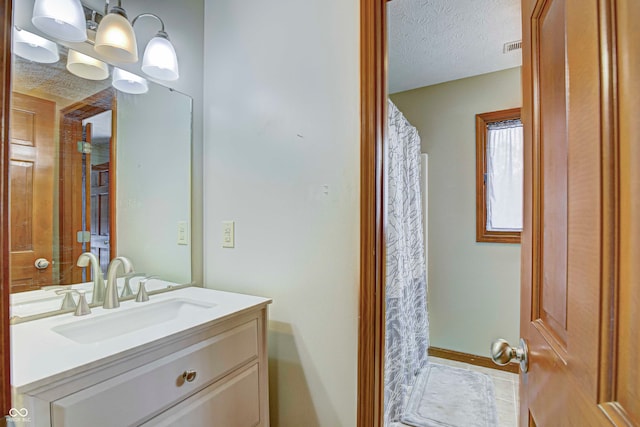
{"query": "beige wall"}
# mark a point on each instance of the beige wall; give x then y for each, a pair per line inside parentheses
(184, 22)
(474, 288)
(281, 159)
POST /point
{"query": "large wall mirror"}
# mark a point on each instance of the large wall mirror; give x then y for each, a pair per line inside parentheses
(92, 169)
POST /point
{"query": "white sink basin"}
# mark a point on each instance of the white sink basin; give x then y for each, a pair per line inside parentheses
(91, 330)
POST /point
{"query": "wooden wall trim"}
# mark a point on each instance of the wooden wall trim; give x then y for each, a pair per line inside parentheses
(70, 194)
(5, 102)
(372, 244)
(472, 359)
(482, 234)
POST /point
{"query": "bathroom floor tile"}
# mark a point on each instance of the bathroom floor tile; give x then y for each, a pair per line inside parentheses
(506, 389)
(503, 389)
(448, 362)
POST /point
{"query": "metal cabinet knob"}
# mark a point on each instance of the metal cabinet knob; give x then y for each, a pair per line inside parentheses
(41, 263)
(502, 353)
(189, 376)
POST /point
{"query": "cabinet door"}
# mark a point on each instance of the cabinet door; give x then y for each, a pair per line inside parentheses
(150, 389)
(231, 402)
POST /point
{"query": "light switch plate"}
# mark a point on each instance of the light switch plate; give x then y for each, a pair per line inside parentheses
(228, 234)
(183, 233)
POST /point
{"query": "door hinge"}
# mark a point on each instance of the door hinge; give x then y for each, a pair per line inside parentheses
(84, 237)
(84, 147)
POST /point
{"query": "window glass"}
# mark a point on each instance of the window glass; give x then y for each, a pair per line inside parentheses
(504, 176)
(499, 176)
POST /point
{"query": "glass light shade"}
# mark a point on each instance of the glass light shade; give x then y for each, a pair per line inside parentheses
(128, 82)
(34, 48)
(86, 67)
(115, 38)
(62, 19)
(160, 60)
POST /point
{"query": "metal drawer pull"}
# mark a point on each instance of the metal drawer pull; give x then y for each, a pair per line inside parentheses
(189, 376)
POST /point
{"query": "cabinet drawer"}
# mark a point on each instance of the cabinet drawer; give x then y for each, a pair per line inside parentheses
(231, 402)
(145, 391)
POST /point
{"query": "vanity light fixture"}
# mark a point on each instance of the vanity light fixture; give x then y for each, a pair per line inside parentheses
(86, 67)
(159, 59)
(62, 19)
(128, 82)
(33, 47)
(115, 38)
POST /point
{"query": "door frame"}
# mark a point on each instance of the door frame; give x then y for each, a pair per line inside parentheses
(70, 219)
(373, 109)
(370, 387)
(6, 12)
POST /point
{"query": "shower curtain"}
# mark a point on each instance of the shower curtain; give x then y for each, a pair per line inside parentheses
(407, 336)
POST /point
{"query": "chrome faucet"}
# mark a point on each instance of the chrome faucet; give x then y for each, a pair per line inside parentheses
(111, 293)
(96, 273)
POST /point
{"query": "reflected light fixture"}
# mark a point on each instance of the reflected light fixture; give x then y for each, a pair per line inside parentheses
(115, 38)
(62, 19)
(159, 59)
(128, 82)
(34, 48)
(86, 67)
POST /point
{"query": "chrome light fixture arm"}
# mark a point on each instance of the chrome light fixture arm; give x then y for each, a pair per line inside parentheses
(162, 32)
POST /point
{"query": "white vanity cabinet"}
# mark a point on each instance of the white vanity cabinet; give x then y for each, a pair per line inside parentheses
(210, 375)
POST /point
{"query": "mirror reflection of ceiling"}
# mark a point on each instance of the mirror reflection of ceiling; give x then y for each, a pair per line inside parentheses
(53, 81)
(434, 41)
(100, 127)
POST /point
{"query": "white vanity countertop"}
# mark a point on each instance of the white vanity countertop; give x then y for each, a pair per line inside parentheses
(38, 353)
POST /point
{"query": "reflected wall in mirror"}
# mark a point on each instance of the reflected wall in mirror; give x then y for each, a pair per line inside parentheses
(93, 169)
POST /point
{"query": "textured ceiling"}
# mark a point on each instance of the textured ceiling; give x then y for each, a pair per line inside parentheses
(434, 41)
(53, 81)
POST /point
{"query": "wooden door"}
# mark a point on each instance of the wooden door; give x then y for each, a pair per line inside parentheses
(581, 245)
(100, 243)
(31, 191)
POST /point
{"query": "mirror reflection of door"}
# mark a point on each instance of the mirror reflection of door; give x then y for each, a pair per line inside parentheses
(86, 162)
(50, 209)
(98, 133)
(32, 156)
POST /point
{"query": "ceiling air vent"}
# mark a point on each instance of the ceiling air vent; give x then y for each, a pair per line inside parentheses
(511, 46)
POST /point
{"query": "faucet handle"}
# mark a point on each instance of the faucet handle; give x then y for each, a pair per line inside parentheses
(82, 308)
(126, 289)
(142, 291)
(67, 303)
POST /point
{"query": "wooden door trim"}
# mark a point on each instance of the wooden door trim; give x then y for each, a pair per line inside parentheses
(482, 121)
(5, 101)
(473, 359)
(71, 118)
(611, 208)
(373, 103)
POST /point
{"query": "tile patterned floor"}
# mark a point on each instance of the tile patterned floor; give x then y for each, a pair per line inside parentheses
(506, 389)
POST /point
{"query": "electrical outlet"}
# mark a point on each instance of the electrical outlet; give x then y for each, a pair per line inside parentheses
(183, 233)
(228, 234)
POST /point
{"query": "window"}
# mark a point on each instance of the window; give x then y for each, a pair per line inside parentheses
(499, 176)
